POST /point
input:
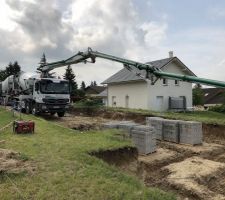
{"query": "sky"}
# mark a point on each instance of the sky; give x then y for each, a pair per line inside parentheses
(141, 30)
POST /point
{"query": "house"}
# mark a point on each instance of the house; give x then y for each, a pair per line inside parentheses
(103, 96)
(93, 91)
(129, 90)
(213, 96)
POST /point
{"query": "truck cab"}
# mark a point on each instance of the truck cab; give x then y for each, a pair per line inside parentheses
(51, 95)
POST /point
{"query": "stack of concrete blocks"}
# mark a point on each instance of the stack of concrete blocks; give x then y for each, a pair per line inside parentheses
(144, 139)
(157, 123)
(111, 125)
(190, 132)
(186, 132)
(127, 126)
(171, 130)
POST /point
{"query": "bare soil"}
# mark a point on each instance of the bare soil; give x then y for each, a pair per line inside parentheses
(191, 172)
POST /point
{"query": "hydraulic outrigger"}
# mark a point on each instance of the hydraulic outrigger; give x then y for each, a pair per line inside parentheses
(90, 56)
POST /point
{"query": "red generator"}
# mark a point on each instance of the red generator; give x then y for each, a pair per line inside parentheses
(23, 127)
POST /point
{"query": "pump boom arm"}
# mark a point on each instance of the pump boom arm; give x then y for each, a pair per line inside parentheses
(89, 54)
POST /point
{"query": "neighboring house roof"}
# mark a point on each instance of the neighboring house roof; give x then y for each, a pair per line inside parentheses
(214, 95)
(124, 75)
(94, 89)
(104, 93)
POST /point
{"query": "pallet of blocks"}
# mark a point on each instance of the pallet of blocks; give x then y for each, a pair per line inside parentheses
(190, 132)
(157, 123)
(171, 130)
(144, 139)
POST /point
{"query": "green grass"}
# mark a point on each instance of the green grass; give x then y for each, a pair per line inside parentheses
(207, 117)
(65, 170)
(5, 117)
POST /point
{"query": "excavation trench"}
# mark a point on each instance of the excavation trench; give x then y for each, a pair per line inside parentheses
(152, 169)
(155, 169)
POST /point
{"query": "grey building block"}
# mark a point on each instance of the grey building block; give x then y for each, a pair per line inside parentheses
(171, 130)
(144, 139)
(190, 132)
(157, 123)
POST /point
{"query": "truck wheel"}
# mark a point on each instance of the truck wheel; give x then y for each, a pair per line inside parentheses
(60, 114)
(34, 110)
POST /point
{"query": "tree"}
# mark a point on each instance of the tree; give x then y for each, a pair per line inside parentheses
(93, 83)
(71, 77)
(83, 85)
(3, 75)
(11, 69)
(198, 95)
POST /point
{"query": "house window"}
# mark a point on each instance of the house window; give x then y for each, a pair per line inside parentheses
(177, 82)
(165, 81)
(113, 100)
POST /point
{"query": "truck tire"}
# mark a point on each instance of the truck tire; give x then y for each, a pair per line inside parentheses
(60, 114)
(34, 110)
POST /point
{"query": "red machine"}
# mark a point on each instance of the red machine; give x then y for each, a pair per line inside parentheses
(23, 127)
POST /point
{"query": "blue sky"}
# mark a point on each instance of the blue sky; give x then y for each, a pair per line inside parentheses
(141, 30)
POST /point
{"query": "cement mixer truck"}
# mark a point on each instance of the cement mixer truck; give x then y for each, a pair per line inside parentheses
(33, 94)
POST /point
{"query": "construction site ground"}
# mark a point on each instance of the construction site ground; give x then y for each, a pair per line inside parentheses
(191, 172)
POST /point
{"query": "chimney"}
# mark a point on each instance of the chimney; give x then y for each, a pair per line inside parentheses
(170, 54)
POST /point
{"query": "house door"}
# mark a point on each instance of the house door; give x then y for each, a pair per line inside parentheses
(159, 103)
(127, 101)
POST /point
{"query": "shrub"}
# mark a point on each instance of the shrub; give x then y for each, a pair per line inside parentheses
(218, 108)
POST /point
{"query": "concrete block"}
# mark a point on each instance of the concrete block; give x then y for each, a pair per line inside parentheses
(144, 139)
(111, 125)
(157, 123)
(190, 132)
(171, 130)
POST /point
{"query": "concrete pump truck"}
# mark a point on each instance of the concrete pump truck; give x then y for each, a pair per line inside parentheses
(41, 93)
(36, 92)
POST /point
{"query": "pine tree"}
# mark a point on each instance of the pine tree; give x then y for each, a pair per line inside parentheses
(71, 77)
(93, 83)
(83, 85)
(43, 60)
(11, 69)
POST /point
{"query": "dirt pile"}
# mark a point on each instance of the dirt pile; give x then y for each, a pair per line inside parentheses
(184, 175)
(12, 162)
(192, 172)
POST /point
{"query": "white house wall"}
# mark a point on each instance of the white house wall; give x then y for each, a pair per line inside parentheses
(136, 91)
(146, 96)
(169, 90)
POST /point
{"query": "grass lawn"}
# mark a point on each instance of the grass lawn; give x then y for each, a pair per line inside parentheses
(208, 117)
(65, 170)
(5, 117)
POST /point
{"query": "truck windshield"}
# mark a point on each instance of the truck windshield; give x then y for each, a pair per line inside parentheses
(50, 87)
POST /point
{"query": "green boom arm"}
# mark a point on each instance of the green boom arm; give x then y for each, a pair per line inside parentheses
(89, 54)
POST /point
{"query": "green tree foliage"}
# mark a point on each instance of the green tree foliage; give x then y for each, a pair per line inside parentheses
(71, 77)
(93, 83)
(198, 95)
(83, 85)
(11, 69)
